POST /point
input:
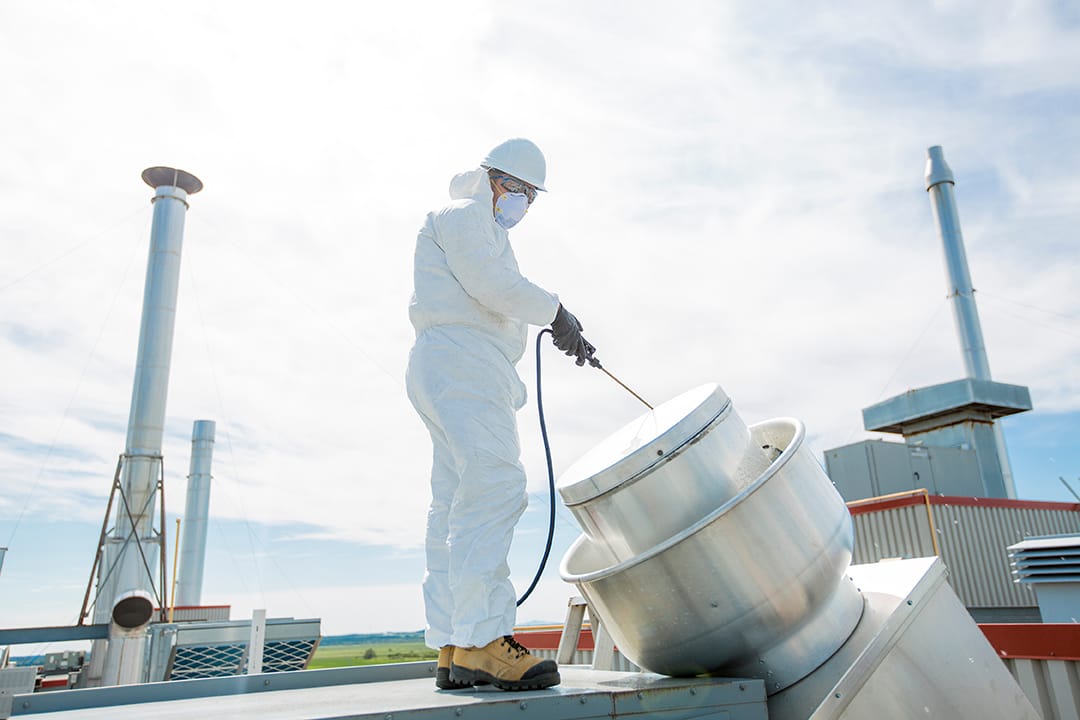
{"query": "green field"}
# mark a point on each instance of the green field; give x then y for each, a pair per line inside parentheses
(371, 653)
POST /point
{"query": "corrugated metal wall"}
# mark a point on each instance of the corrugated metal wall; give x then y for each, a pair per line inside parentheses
(1052, 686)
(897, 532)
(973, 535)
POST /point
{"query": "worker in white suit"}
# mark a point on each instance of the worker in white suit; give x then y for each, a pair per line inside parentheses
(471, 309)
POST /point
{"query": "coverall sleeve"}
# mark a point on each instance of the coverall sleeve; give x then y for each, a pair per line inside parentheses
(487, 271)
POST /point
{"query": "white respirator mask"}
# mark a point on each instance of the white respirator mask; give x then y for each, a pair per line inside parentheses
(510, 208)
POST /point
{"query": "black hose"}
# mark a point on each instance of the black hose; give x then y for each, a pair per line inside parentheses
(551, 475)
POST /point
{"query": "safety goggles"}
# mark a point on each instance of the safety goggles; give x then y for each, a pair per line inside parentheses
(513, 185)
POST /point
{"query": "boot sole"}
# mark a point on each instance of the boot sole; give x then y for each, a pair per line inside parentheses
(443, 681)
(480, 677)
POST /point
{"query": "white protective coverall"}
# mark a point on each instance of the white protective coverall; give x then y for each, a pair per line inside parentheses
(471, 309)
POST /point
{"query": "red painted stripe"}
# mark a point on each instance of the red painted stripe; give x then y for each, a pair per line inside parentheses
(549, 639)
(1034, 641)
(882, 505)
(197, 607)
(1020, 641)
(203, 607)
(200, 607)
(918, 499)
(54, 682)
(1003, 503)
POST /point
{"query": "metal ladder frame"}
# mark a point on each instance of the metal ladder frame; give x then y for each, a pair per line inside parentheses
(603, 645)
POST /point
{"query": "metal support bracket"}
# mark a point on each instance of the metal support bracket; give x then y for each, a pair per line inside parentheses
(159, 497)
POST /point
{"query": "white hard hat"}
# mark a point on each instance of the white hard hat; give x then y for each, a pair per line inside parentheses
(521, 158)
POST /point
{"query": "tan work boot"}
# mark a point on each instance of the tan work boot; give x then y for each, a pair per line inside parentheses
(505, 664)
(442, 671)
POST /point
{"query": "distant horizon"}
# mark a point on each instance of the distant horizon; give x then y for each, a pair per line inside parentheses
(336, 639)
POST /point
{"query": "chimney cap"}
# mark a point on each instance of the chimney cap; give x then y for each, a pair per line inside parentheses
(937, 170)
(161, 176)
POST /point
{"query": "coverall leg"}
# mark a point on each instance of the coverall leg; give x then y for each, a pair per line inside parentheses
(468, 403)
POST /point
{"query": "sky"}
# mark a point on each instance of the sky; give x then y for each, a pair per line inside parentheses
(736, 196)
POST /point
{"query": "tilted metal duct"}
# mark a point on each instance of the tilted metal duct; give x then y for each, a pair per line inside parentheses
(693, 569)
(133, 610)
(749, 577)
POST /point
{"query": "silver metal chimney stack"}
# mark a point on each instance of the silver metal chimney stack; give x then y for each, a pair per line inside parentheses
(132, 551)
(961, 415)
(196, 515)
(940, 184)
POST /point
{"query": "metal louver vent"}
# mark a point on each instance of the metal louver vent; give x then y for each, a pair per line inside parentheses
(1051, 565)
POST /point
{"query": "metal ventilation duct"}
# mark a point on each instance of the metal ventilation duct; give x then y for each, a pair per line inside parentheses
(753, 579)
(749, 579)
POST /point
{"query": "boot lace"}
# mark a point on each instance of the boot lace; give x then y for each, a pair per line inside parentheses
(515, 646)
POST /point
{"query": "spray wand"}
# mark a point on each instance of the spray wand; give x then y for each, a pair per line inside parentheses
(591, 358)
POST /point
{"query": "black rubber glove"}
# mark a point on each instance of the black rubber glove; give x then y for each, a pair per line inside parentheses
(566, 334)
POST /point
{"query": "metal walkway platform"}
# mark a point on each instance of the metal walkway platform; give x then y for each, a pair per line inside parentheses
(405, 692)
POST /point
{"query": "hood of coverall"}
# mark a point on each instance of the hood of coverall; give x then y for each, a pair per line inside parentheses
(473, 184)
